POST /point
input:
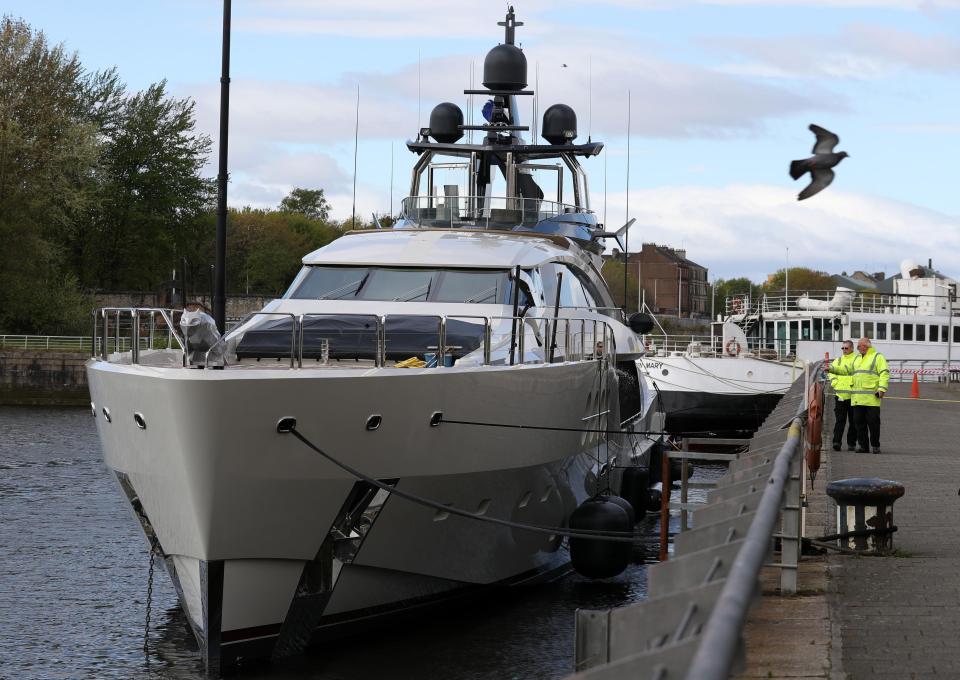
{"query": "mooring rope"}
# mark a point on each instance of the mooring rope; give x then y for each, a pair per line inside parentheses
(614, 536)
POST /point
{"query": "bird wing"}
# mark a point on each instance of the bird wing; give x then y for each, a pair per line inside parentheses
(826, 140)
(821, 180)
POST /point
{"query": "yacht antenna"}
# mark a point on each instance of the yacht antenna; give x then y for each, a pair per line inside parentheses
(509, 23)
(220, 277)
(391, 180)
(626, 234)
(419, 79)
(356, 137)
(589, 98)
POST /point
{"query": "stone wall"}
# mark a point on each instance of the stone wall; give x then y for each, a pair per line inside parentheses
(39, 377)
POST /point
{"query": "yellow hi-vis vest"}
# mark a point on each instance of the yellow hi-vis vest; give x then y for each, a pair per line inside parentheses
(842, 384)
(870, 375)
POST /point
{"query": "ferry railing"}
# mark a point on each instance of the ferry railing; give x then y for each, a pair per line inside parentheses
(702, 345)
(692, 623)
(481, 211)
(854, 301)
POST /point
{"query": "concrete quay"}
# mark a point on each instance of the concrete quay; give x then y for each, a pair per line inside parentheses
(877, 617)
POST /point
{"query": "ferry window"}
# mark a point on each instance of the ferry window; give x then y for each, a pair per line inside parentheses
(881, 330)
(855, 329)
(868, 329)
(956, 333)
(894, 331)
(827, 329)
(768, 334)
(943, 334)
(908, 331)
(921, 332)
(934, 333)
(482, 287)
(818, 329)
(805, 330)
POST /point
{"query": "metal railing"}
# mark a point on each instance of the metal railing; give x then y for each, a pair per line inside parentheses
(127, 332)
(70, 343)
(134, 330)
(487, 212)
(705, 345)
(852, 301)
(692, 624)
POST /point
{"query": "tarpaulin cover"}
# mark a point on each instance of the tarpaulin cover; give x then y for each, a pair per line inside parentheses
(354, 337)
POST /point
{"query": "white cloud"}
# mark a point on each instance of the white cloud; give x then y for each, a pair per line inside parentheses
(858, 51)
(744, 230)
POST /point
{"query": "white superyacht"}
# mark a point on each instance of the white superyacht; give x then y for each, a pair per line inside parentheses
(412, 356)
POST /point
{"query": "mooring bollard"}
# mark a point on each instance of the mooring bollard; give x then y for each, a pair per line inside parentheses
(865, 513)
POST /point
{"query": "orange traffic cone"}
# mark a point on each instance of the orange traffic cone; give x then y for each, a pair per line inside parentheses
(915, 388)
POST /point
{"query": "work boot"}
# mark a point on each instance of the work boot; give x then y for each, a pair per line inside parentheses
(836, 446)
(876, 449)
(862, 450)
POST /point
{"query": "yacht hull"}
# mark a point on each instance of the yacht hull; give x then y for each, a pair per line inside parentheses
(259, 533)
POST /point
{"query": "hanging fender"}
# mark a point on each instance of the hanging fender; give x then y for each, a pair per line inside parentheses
(814, 427)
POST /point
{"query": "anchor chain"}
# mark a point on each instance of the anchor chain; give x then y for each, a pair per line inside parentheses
(146, 625)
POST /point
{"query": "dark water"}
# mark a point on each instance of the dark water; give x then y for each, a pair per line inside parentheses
(73, 584)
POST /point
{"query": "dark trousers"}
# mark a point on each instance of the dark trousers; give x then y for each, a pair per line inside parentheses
(867, 418)
(844, 415)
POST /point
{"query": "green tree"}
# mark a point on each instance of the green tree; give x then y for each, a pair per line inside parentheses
(51, 112)
(309, 202)
(150, 193)
(801, 279)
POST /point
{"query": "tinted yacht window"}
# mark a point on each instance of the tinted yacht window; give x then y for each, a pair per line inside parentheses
(479, 286)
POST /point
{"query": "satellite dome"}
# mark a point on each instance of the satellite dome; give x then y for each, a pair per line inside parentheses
(505, 68)
(445, 122)
(559, 124)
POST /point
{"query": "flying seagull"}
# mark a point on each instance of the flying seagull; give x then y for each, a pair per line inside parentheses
(819, 165)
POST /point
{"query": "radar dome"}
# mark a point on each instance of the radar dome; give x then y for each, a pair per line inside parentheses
(445, 122)
(505, 68)
(559, 124)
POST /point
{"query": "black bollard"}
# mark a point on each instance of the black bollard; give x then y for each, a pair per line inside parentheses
(865, 513)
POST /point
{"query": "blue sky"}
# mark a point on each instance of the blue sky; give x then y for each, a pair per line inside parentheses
(722, 92)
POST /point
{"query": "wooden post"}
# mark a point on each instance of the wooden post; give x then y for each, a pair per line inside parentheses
(664, 503)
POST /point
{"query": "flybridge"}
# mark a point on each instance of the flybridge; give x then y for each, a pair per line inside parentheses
(505, 182)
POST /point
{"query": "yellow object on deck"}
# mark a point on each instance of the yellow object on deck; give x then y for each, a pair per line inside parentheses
(412, 362)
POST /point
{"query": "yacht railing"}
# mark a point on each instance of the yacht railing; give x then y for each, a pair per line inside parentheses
(500, 340)
(486, 212)
(134, 330)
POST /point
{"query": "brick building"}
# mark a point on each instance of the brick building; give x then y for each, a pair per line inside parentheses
(670, 283)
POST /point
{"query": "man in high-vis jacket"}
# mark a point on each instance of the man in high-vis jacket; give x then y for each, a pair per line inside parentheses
(842, 384)
(870, 381)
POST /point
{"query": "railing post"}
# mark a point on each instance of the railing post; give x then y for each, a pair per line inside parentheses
(300, 343)
(442, 342)
(381, 359)
(790, 536)
(520, 345)
(684, 471)
(116, 334)
(487, 331)
(93, 336)
(104, 350)
(135, 337)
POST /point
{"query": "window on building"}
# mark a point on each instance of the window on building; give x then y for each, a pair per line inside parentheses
(921, 332)
(908, 332)
(894, 331)
(881, 331)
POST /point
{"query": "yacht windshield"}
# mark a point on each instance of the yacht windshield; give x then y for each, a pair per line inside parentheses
(476, 286)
